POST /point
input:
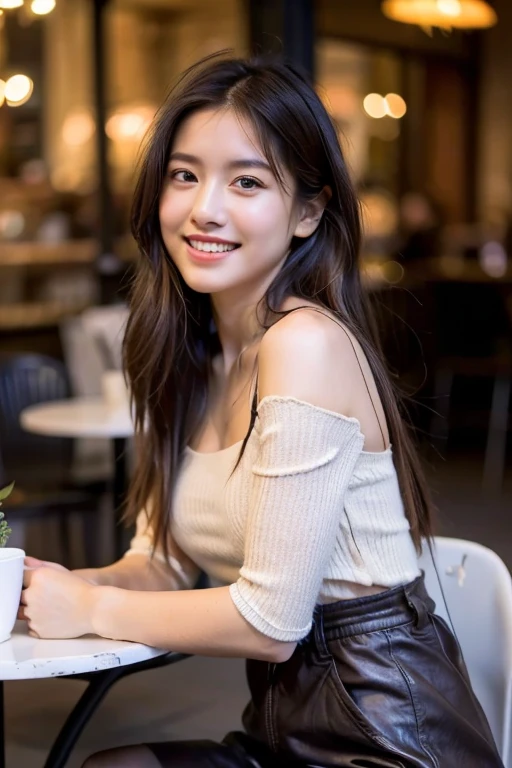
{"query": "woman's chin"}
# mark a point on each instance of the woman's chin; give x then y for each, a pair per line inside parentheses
(204, 283)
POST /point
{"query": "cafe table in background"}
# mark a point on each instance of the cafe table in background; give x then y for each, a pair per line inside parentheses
(89, 417)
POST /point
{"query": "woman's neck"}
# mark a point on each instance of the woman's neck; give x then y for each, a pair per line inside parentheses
(238, 326)
(239, 315)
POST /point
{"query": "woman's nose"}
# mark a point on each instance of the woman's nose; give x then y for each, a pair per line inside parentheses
(209, 207)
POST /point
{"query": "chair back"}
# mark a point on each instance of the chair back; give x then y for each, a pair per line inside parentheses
(29, 459)
(106, 325)
(478, 590)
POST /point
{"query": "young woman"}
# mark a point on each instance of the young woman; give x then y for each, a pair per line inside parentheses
(272, 455)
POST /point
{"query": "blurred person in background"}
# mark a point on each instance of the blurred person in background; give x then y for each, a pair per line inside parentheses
(420, 228)
(265, 418)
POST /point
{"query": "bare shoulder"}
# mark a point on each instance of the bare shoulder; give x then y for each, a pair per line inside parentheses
(310, 356)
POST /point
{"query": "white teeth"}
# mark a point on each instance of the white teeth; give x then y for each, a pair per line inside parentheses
(211, 247)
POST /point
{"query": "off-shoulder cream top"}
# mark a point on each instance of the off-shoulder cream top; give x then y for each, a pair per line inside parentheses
(307, 516)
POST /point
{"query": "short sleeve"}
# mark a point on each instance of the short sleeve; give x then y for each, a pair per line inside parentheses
(302, 466)
(180, 570)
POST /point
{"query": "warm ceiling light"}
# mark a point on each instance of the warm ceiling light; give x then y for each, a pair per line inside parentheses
(78, 128)
(130, 123)
(42, 7)
(2, 92)
(450, 7)
(375, 105)
(18, 90)
(462, 14)
(395, 106)
(11, 3)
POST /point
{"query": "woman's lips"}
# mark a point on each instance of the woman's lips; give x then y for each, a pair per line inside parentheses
(206, 257)
(210, 239)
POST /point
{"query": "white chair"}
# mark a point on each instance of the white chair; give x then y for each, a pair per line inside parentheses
(478, 590)
(107, 325)
(92, 344)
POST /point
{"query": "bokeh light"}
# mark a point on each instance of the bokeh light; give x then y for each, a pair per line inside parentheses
(375, 105)
(129, 124)
(42, 7)
(450, 7)
(11, 3)
(395, 105)
(18, 90)
(78, 128)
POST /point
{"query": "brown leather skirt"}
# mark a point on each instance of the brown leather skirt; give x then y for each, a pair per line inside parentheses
(378, 682)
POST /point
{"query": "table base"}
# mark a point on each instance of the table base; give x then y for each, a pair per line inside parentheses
(99, 685)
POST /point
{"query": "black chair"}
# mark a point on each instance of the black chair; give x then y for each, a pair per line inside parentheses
(41, 466)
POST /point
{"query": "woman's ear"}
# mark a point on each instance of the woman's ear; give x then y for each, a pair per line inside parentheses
(311, 213)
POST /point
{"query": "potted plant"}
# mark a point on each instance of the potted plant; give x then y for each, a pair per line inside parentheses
(11, 574)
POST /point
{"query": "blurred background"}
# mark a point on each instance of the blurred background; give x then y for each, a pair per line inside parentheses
(420, 92)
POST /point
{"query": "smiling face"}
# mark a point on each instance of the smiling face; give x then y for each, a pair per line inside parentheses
(226, 221)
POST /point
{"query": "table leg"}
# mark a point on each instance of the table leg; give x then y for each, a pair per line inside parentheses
(119, 493)
(99, 685)
(2, 726)
(77, 720)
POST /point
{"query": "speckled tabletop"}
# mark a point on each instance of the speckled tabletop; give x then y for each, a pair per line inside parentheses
(24, 657)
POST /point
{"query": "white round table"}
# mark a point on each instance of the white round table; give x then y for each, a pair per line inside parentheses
(102, 662)
(88, 417)
(78, 417)
(24, 657)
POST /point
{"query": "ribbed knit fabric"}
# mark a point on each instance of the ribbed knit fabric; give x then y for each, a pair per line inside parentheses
(306, 517)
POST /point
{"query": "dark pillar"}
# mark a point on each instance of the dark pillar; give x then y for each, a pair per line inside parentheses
(109, 266)
(286, 27)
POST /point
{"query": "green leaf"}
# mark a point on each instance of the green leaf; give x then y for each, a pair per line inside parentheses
(5, 492)
(5, 531)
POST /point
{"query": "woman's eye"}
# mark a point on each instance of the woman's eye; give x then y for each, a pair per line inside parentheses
(247, 183)
(183, 176)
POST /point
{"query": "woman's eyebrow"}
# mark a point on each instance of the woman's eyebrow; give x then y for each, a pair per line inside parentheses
(232, 165)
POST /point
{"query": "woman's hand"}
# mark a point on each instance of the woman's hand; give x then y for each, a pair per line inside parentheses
(34, 562)
(89, 574)
(56, 603)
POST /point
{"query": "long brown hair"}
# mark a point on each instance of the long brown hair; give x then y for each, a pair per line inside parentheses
(169, 342)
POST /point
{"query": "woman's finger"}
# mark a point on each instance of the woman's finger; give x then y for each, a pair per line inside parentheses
(32, 632)
(34, 562)
(27, 576)
(23, 598)
(21, 614)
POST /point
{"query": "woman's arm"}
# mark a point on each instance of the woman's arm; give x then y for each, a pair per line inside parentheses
(137, 572)
(58, 604)
(202, 621)
(145, 568)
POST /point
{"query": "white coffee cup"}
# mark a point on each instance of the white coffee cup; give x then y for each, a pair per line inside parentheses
(114, 390)
(11, 583)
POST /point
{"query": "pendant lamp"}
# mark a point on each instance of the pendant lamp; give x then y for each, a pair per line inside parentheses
(460, 14)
